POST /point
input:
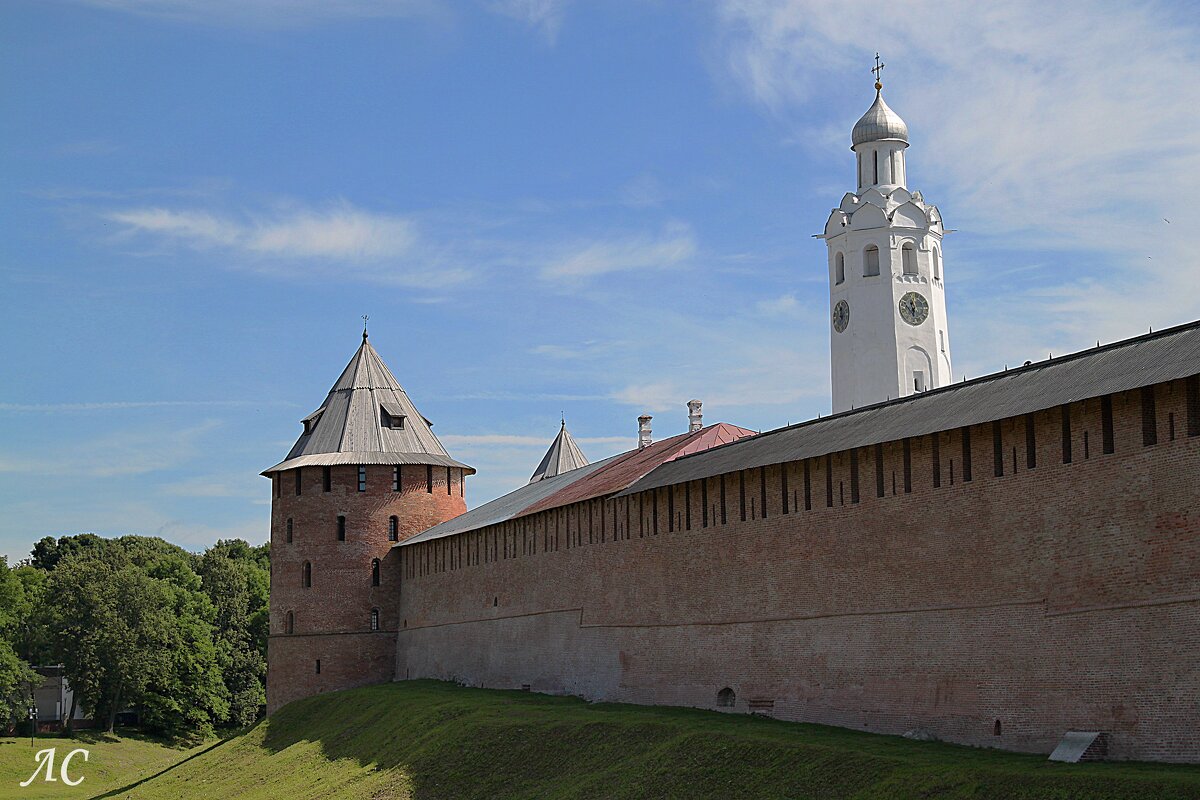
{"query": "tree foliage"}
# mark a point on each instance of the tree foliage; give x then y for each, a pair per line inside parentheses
(17, 679)
(142, 624)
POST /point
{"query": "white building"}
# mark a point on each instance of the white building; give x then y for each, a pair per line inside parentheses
(887, 303)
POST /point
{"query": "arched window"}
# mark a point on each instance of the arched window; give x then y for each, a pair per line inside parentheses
(839, 269)
(374, 571)
(290, 625)
(394, 529)
(341, 529)
(871, 261)
(307, 577)
(726, 698)
(908, 258)
(289, 530)
(937, 265)
(374, 619)
(875, 165)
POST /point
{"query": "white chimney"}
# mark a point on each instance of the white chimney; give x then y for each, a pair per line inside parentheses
(695, 418)
(644, 439)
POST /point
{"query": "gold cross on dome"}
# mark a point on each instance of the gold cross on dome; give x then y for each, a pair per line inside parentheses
(878, 70)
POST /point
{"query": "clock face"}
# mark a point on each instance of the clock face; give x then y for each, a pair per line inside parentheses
(913, 308)
(841, 316)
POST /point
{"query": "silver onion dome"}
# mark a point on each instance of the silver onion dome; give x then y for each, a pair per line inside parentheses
(880, 122)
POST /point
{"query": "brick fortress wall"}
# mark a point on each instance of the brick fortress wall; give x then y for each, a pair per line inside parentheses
(997, 586)
(331, 619)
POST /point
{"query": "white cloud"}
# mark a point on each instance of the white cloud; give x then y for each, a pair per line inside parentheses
(345, 241)
(544, 16)
(129, 452)
(1069, 130)
(673, 247)
(268, 13)
(784, 305)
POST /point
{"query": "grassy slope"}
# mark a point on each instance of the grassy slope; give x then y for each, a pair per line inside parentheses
(430, 740)
(112, 762)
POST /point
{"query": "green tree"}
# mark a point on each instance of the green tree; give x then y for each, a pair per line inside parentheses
(235, 580)
(17, 679)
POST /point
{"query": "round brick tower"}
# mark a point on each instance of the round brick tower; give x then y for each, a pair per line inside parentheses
(366, 473)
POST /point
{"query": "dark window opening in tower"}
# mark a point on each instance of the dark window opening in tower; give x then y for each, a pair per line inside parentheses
(908, 257)
(289, 530)
(306, 575)
(362, 479)
(298, 479)
(394, 529)
(448, 481)
(870, 261)
(839, 269)
(396, 479)
(341, 529)
(375, 572)
(326, 479)
(374, 619)
(429, 478)
(290, 625)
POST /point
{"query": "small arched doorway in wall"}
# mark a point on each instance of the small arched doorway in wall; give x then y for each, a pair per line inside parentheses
(918, 371)
(726, 698)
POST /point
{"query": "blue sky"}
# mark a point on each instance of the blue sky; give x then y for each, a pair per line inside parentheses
(598, 208)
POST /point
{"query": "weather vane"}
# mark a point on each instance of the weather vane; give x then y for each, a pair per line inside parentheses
(364, 319)
(878, 70)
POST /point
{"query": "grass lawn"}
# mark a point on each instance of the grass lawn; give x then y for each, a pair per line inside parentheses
(113, 762)
(424, 739)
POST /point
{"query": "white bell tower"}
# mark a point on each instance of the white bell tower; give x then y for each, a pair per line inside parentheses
(889, 335)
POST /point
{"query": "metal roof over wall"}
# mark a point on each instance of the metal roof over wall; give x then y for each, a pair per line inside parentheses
(1130, 364)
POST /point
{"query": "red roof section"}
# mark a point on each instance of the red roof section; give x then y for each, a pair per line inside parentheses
(625, 470)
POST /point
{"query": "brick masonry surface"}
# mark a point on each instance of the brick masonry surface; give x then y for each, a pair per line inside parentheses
(890, 593)
(331, 618)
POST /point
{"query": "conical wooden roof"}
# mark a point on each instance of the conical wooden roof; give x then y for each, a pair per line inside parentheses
(354, 424)
(563, 456)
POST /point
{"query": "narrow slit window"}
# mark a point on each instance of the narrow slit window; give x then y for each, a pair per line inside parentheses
(289, 530)
(935, 446)
(853, 476)
(375, 572)
(1149, 417)
(829, 480)
(362, 478)
(879, 488)
(341, 528)
(448, 480)
(687, 506)
(997, 449)
(374, 619)
(839, 269)
(742, 493)
(908, 466)
(670, 509)
(318, 666)
(306, 575)
(290, 625)
(326, 479)
(703, 504)
(299, 481)
(1066, 434)
(1192, 386)
(393, 529)
(875, 166)
(807, 486)
(762, 490)
(1030, 441)
(724, 515)
(397, 479)
(1106, 423)
(966, 455)
(783, 488)
(937, 272)
(429, 478)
